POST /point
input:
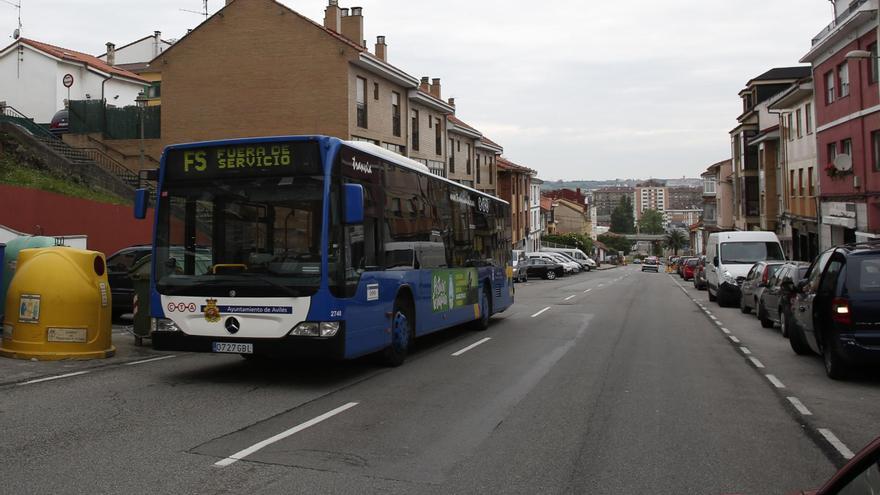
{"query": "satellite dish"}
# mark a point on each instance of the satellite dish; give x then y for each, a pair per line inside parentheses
(16, 34)
(843, 163)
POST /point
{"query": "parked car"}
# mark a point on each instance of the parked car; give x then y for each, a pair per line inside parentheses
(60, 123)
(651, 264)
(730, 256)
(637, 261)
(121, 288)
(861, 475)
(568, 259)
(755, 283)
(520, 274)
(700, 274)
(567, 266)
(688, 267)
(544, 268)
(836, 309)
(586, 262)
(774, 305)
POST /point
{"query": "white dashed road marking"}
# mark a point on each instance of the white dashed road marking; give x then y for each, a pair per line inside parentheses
(539, 312)
(745, 350)
(775, 381)
(281, 436)
(150, 360)
(840, 446)
(758, 364)
(734, 339)
(462, 351)
(56, 377)
(569, 298)
(799, 406)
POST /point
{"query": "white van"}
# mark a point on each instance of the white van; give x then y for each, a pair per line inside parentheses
(585, 261)
(730, 256)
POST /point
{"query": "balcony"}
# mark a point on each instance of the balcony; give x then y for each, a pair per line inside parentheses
(438, 171)
(844, 16)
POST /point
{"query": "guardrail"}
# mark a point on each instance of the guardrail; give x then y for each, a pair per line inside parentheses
(853, 7)
(10, 114)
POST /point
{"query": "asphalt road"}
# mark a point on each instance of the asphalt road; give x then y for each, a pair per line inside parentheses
(608, 382)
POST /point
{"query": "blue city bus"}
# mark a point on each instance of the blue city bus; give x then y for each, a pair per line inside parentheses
(313, 246)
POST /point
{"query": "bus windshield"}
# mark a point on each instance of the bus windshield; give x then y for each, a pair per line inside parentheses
(258, 236)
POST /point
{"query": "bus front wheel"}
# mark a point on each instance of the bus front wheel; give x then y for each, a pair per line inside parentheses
(482, 323)
(401, 334)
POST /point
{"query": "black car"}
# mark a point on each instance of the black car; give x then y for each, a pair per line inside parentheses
(774, 306)
(121, 288)
(755, 283)
(543, 268)
(836, 309)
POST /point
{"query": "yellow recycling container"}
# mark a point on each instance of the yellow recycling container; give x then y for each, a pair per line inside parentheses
(58, 306)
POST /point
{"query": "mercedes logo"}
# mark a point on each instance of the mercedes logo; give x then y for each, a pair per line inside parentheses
(232, 325)
(232, 293)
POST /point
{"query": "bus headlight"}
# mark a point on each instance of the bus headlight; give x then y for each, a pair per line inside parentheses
(316, 329)
(163, 325)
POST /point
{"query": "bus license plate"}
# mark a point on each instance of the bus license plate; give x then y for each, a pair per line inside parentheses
(233, 348)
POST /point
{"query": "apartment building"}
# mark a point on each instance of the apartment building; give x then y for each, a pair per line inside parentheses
(427, 120)
(683, 197)
(570, 217)
(651, 194)
(513, 186)
(844, 64)
(462, 151)
(606, 200)
(798, 220)
(753, 146)
(536, 220)
(487, 153)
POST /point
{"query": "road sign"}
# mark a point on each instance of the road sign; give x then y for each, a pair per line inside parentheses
(67, 80)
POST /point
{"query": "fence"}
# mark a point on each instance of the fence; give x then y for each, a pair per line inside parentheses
(92, 116)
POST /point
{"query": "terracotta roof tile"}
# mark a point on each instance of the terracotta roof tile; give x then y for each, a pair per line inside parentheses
(75, 56)
(505, 164)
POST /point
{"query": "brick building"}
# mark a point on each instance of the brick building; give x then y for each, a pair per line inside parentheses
(606, 200)
(573, 195)
(513, 186)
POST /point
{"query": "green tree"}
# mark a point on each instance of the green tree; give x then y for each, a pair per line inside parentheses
(622, 220)
(616, 242)
(572, 240)
(651, 222)
(675, 240)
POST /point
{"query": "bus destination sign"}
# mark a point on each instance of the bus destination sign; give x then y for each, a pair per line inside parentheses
(243, 160)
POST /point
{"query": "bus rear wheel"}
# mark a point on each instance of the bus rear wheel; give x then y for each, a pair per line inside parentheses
(402, 332)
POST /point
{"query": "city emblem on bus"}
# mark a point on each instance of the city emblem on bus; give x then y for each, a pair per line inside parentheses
(212, 312)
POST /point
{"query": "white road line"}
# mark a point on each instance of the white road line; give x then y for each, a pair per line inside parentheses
(725, 330)
(840, 446)
(775, 381)
(734, 339)
(459, 353)
(150, 360)
(569, 298)
(281, 436)
(713, 317)
(718, 323)
(758, 364)
(745, 350)
(799, 406)
(588, 290)
(56, 377)
(539, 312)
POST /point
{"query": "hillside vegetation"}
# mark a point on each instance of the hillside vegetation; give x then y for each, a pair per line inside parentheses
(19, 167)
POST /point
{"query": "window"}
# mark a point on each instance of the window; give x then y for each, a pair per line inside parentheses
(832, 152)
(468, 161)
(430, 122)
(829, 87)
(414, 117)
(451, 157)
(395, 113)
(843, 76)
(438, 137)
(478, 169)
(808, 113)
(810, 191)
(709, 185)
(801, 182)
(873, 75)
(155, 90)
(800, 133)
(789, 128)
(875, 145)
(791, 187)
(847, 147)
(491, 169)
(397, 148)
(375, 91)
(361, 102)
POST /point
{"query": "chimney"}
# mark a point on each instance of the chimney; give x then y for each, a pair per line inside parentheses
(424, 86)
(381, 49)
(353, 25)
(332, 16)
(111, 54)
(157, 43)
(435, 88)
(452, 102)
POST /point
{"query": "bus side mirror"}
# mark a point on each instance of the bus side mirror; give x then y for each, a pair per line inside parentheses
(354, 204)
(141, 199)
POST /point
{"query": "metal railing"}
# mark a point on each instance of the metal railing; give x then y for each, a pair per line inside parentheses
(107, 148)
(11, 115)
(853, 7)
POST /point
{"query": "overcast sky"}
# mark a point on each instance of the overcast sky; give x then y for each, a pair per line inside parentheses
(573, 89)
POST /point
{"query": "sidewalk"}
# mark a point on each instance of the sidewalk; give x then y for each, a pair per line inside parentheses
(606, 267)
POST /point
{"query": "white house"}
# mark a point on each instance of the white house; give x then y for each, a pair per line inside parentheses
(137, 52)
(32, 78)
(536, 224)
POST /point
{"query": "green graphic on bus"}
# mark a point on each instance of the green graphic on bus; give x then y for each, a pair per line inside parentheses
(453, 288)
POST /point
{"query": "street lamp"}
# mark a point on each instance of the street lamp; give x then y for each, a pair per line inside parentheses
(141, 102)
